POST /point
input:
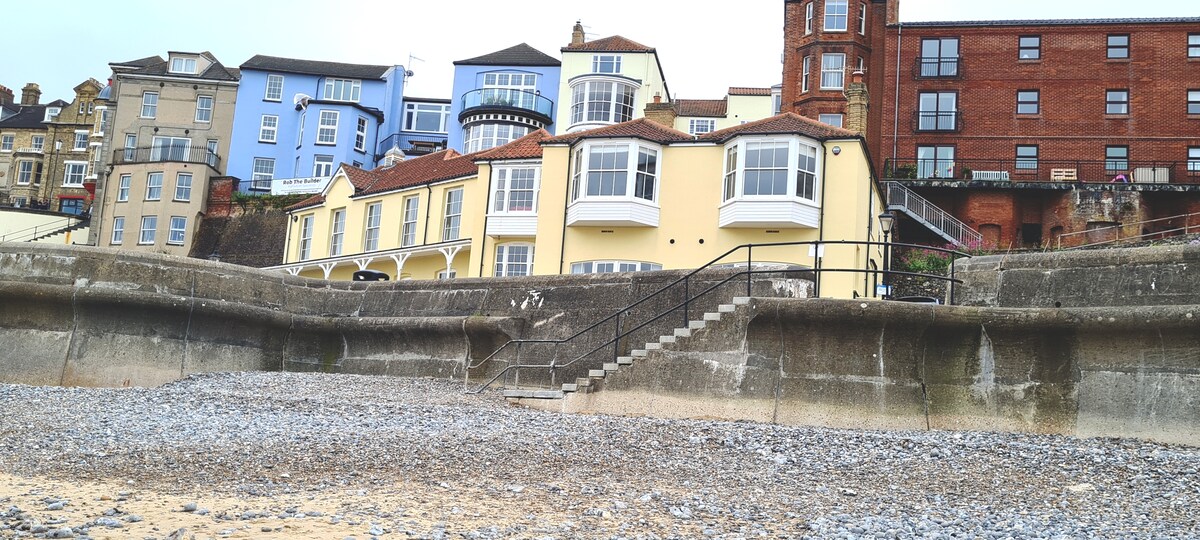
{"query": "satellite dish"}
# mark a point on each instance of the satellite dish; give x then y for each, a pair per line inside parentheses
(301, 101)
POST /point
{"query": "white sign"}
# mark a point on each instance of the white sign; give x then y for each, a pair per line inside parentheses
(292, 186)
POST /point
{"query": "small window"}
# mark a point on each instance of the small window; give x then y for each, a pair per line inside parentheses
(24, 172)
(6, 142)
(274, 88)
(453, 220)
(1193, 45)
(939, 57)
(81, 143)
(262, 173)
(833, 71)
(204, 108)
(154, 182)
(1118, 46)
(74, 173)
(183, 65)
(836, 14)
(1116, 158)
(808, 17)
(1117, 102)
(1027, 157)
(701, 126)
(306, 235)
(408, 230)
(360, 135)
(178, 228)
(149, 224)
(123, 187)
(118, 233)
(1028, 101)
(374, 218)
(430, 117)
(38, 142)
(149, 104)
(327, 127)
(1193, 164)
(51, 113)
(268, 130)
(514, 260)
(831, 119)
(322, 165)
(183, 187)
(606, 63)
(337, 232)
(862, 18)
(805, 70)
(1029, 48)
(515, 190)
(342, 89)
(1193, 104)
(603, 267)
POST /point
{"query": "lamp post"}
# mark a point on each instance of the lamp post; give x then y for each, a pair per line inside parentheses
(886, 221)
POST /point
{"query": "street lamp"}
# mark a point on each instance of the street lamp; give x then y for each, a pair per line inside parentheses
(886, 221)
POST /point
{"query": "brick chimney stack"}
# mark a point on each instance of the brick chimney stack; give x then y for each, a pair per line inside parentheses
(856, 106)
(661, 113)
(893, 11)
(6, 95)
(30, 94)
(577, 37)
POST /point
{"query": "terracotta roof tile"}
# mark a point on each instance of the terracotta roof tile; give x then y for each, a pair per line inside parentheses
(609, 44)
(429, 168)
(359, 178)
(700, 107)
(781, 123)
(517, 55)
(527, 147)
(315, 200)
(640, 129)
(745, 91)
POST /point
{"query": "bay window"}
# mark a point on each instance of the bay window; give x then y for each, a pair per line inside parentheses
(770, 181)
(602, 101)
(614, 183)
(514, 195)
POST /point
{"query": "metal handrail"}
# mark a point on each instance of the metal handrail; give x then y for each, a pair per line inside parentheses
(30, 233)
(1040, 169)
(1187, 227)
(898, 195)
(689, 298)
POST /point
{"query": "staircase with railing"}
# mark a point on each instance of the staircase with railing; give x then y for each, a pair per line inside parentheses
(46, 230)
(939, 221)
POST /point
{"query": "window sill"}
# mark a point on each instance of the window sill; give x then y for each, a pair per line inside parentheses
(1116, 60)
(1021, 116)
(1116, 117)
(323, 144)
(265, 142)
(273, 100)
(1029, 60)
(181, 200)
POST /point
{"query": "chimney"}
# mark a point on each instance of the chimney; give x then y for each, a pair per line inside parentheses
(30, 94)
(893, 11)
(856, 108)
(6, 95)
(661, 113)
(577, 34)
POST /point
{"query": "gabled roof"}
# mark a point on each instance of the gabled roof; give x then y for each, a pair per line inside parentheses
(700, 107)
(785, 123)
(609, 44)
(26, 117)
(426, 169)
(155, 65)
(635, 129)
(315, 200)
(517, 55)
(57, 103)
(527, 147)
(746, 91)
(140, 62)
(261, 62)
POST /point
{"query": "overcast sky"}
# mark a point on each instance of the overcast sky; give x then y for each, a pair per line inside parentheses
(704, 47)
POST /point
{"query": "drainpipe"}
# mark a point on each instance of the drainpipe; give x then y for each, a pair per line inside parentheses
(821, 219)
(896, 104)
(562, 248)
(487, 204)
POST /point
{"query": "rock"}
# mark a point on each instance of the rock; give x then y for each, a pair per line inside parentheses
(189, 507)
(54, 506)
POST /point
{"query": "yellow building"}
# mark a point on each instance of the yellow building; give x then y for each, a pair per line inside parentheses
(606, 81)
(633, 196)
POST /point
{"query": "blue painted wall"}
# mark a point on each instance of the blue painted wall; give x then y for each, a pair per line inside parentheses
(468, 78)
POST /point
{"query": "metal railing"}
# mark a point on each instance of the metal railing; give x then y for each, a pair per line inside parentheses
(619, 327)
(1033, 169)
(412, 144)
(29, 150)
(154, 154)
(937, 66)
(949, 227)
(1172, 226)
(506, 98)
(43, 230)
(948, 121)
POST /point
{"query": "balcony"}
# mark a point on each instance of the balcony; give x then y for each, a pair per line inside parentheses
(157, 154)
(941, 121)
(411, 145)
(937, 67)
(502, 100)
(29, 150)
(1139, 175)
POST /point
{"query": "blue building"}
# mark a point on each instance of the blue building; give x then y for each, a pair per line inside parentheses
(301, 118)
(502, 96)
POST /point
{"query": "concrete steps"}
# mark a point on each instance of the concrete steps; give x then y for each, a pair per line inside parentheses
(677, 338)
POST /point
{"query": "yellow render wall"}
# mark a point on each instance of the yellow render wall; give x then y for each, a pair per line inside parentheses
(851, 209)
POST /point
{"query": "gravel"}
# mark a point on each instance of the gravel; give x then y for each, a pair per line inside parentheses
(576, 476)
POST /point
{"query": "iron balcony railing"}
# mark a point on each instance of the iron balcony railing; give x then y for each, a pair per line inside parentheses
(412, 144)
(606, 339)
(937, 66)
(1032, 169)
(153, 154)
(29, 150)
(505, 98)
(947, 121)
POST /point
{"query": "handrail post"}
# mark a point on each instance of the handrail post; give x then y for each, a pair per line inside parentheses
(687, 297)
(953, 263)
(617, 339)
(749, 262)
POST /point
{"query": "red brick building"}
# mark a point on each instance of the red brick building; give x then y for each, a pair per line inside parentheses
(1024, 130)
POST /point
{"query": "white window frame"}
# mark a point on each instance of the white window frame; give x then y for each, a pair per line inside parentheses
(74, 170)
(372, 224)
(304, 248)
(118, 232)
(503, 190)
(833, 15)
(408, 226)
(808, 17)
(273, 90)
(862, 18)
(24, 172)
(1193, 159)
(700, 126)
(123, 185)
(448, 273)
(164, 148)
(178, 231)
(507, 267)
(7, 142)
(480, 137)
(452, 222)
(589, 106)
(609, 266)
(583, 175)
(807, 166)
(38, 142)
(147, 232)
(183, 65)
(261, 173)
(149, 104)
(183, 189)
(414, 111)
(204, 109)
(342, 89)
(805, 73)
(154, 184)
(833, 119)
(360, 134)
(80, 142)
(611, 61)
(830, 71)
(337, 232)
(1193, 45)
(322, 165)
(327, 127)
(268, 128)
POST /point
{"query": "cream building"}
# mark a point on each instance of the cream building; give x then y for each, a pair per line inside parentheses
(633, 196)
(606, 81)
(169, 134)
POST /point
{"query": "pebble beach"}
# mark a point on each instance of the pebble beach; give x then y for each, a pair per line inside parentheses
(281, 455)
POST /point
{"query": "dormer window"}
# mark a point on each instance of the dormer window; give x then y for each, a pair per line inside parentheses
(52, 113)
(614, 183)
(606, 63)
(770, 181)
(183, 65)
(342, 89)
(601, 101)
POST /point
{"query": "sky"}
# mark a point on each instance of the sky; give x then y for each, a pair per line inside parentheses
(704, 47)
